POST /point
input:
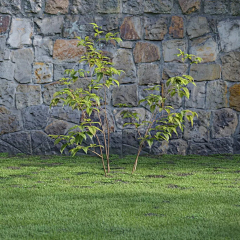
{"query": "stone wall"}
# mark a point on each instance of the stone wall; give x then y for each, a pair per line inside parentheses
(37, 44)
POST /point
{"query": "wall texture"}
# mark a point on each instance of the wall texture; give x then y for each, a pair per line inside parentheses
(37, 44)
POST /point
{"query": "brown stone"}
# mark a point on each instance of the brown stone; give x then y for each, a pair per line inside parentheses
(131, 28)
(235, 97)
(57, 6)
(176, 29)
(4, 23)
(189, 6)
(67, 50)
(146, 52)
(202, 72)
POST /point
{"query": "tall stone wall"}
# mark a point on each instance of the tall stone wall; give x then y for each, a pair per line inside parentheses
(37, 43)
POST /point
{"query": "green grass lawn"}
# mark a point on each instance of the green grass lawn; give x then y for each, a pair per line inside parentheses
(169, 197)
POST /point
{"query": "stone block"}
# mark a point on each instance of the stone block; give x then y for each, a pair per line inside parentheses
(7, 92)
(21, 32)
(170, 49)
(132, 6)
(146, 52)
(35, 117)
(42, 72)
(108, 6)
(203, 72)
(229, 33)
(123, 60)
(7, 148)
(126, 94)
(235, 7)
(234, 100)
(158, 6)
(57, 6)
(43, 49)
(57, 127)
(216, 95)
(83, 6)
(190, 6)
(3, 40)
(143, 93)
(49, 90)
(33, 6)
(109, 22)
(7, 70)
(206, 48)
(23, 59)
(59, 70)
(176, 29)
(50, 25)
(216, 6)
(225, 122)
(131, 28)
(10, 7)
(67, 50)
(197, 27)
(174, 101)
(28, 95)
(236, 147)
(126, 44)
(174, 69)
(4, 23)
(149, 74)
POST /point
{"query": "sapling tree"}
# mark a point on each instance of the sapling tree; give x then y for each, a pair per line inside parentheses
(164, 120)
(101, 75)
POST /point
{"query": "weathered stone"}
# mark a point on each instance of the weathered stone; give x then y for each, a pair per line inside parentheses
(49, 90)
(67, 50)
(28, 95)
(174, 101)
(59, 70)
(126, 94)
(10, 121)
(7, 70)
(149, 74)
(131, 28)
(56, 6)
(231, 66)
(123, 60)
(206, 48)
(225, 122)
(236, 144)
(7, 92)
(21, 32)
(216, 95)
(189, 6)
(202, 72)
(216, 6)
(4, 23)
(23, 59)
(173, 70)
(80, 83)
(197, 96)
(43, 72)
(146, 52)
(158, 6)
(170, 49)
(229, 33)
(19, 140)
(82, 6)
(43, 49)
(108, 6)
(132, 6)
(7, 148)
(34, 6)
(109, 22)
(3, 40)
(197, 26)
(143, 93)
(234, 100)
(200, 131)
(235, 7)
(176, 29)
(13, 6)
(155, 28)
(50, 25)
(57, 127)
(127, 44)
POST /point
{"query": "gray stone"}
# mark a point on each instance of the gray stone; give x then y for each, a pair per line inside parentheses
(126, 44)
(200, 131)
(21, 32)
(108, 6)
(231, 66)
(158, 6)
(197, 27)
(155, 28)
(132, 6)
(59, 70)
(49, 90)
(23, 59)
(235, 7)
(131, 28)
(7, 148)
(225, 122)
(237, 144)
(229, 33)
(83, 6)
(216, 6)
(190, 6)
(3, 40)
(33, 6)
(173, 70)
(203, 72)
(109, 22)
(123, 60)
(35, 117)
(19, 140)
(170, 49)
(148, 74)
(80, 83)
(28, 95)
(43, 49)
(125, 94)
(7, 92)
(174, 101)
(143, 93)
(50, 26)
(42, 72)
(13, 6)
(216, 95)
(7, 70)
(57, 127)
(197, 96)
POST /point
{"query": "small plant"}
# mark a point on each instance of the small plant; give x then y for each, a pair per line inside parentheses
(164, 121)
(101, 74)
